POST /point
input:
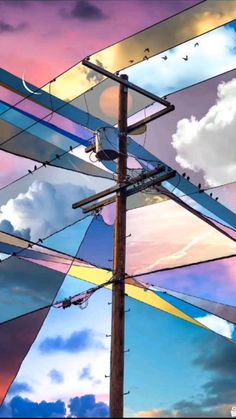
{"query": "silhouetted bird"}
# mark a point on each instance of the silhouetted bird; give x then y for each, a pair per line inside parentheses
(40, 240)
(57, 156)
(199, 186)
(147, 50)
(145, 57)
(44, 164)
(185, 58)
(35, 167)
(211, 194)
(196, 44)
(131, 61)
(30, 172)
(184, 174)
(71, 148)
(188, 178)
(117, 73)
(165, 57)
(216, 198)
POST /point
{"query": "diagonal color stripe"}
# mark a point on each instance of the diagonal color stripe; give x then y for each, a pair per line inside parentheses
(224, 311)
(98, 276)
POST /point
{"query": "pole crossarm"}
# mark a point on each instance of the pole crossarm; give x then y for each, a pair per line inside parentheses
(124, 185)
(132, 189)
(126, 83)
(122, 81)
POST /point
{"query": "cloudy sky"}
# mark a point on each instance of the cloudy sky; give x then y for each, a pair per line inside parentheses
(66, 32)
(68, 362)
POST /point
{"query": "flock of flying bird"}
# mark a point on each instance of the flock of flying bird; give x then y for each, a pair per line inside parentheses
(147, 50)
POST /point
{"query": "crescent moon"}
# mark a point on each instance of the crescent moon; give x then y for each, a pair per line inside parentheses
(27, 87)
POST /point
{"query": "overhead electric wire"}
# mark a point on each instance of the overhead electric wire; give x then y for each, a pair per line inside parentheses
(48, 306)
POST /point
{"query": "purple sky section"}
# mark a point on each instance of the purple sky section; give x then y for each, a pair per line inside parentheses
(213, 280)
(52, 36)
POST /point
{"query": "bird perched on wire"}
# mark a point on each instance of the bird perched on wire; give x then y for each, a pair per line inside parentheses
(131, 61)
(165, 57)
(117, 73)
(185, 58)
(146, 50)
(196, 44)
(145, 57)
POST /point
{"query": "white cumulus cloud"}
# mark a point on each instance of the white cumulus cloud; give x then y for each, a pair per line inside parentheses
(209, 144)
(218, 325)
(44, 208)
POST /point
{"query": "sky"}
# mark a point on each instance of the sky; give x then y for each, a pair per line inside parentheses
(205, 382)
(64, 372)
(53, 36)
(182, 138)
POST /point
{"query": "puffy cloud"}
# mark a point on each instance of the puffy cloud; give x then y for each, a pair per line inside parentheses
(25, 408)
(18, 387)
(187, 409)
(56, 376)
(209, 144)
(42, 210)
(86, 374)
(81, 407)
(85, 10)
(76, 342)
(31, 409)
(218, 393)
(7, 27)
(7, 227)
(87, 407)
(211, 360)
(217, 324)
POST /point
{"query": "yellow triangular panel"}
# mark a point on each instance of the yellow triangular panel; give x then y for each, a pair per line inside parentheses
(98, 276)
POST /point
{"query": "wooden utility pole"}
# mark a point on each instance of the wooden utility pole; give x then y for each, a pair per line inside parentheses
(118, 288)
(123, 189)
